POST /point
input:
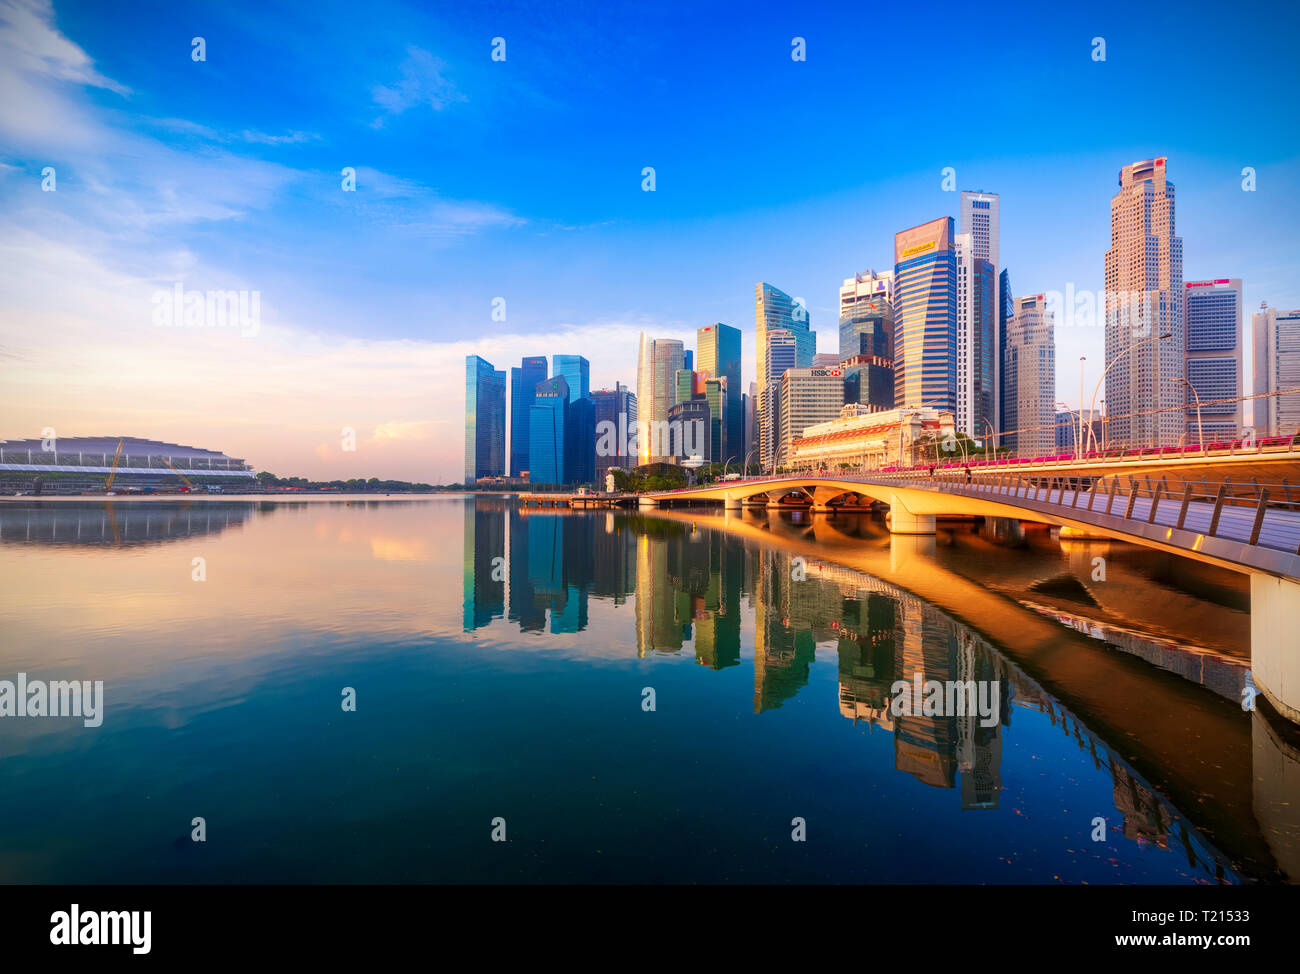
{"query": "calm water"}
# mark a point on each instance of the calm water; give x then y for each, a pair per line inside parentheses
(500, 660)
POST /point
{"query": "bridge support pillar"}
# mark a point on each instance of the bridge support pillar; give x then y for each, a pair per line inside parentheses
(732, 504)
(903, 521)
(646, 502)
(1274, 661)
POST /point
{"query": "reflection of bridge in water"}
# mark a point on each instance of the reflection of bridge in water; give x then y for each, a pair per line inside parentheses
(108, 524)
(1252, 528)
(1146, 815)
(892, 612)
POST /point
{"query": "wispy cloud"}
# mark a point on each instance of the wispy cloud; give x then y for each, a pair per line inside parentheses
(30, 42)
(423, 81)
(409, 205)
(185, 126)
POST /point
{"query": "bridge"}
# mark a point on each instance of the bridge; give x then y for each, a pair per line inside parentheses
(1167, 502)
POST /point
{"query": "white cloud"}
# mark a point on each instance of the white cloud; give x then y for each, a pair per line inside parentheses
(422, 82)
(30, 42)
(89, 360)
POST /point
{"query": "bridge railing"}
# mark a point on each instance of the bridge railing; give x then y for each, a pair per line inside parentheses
(1263, 514)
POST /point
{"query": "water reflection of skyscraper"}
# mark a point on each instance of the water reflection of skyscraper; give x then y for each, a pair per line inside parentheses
(691, 582)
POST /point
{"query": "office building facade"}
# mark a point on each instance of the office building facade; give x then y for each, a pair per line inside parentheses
(1029, 374)
(808, 397)
(869, 382)
(523, 386)
(717, 354)
(781, 356)
(1213, 335)
(485, 419)
(774, 310)
(615, 414)
(867, 315)
(658, 362)
(577, 373)
(1275, 340)
(1006, 308)
(981, 217)
(548, 430)
(1144, 302)
(925, 316)
(976, 340)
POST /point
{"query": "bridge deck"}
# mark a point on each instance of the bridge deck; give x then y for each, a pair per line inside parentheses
(1242, 538)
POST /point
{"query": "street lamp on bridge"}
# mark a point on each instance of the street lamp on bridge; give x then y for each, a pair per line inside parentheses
(1200, 430)
(1116, 360)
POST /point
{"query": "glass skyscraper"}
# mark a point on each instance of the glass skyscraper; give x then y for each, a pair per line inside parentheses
(976, 339)
(617, 408)
(547, 428)
(774, 310)
(523, 386)
(981, 218)
(485, 419)
(867, 316)
(1214, 360)
(718, 354)
(658, 362)
(925, 316)
(1029, 374)
(577, 373)
(1005, 312)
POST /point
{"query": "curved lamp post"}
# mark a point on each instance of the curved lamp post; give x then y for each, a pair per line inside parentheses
(1200, 430)
(1118, 358)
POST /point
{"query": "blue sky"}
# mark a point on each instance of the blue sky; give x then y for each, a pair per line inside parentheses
(521, 179)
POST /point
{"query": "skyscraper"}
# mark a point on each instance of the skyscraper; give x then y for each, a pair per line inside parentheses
(1213, 334)
(1030, 378)
(776, 310)
(718, 396)
(577, 373)
(523, 386)
(981, 217)
(485, 419)
(867, 315)
(616, 407)
(1275, 337)
(925, 316)
(658, 361)
(781, 355)
(717, 353)
(976, 340)
(751, 421)
(547, 419)
(1144, 302)
(1006, 309)
(808, 397)
(869, 382)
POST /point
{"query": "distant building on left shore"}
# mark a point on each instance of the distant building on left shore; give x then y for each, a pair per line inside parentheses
(75, 463)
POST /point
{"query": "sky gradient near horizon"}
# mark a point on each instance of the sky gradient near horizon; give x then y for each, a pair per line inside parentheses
(521, 179)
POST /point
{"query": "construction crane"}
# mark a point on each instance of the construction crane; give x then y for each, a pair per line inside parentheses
(188, 483)
(108, 484)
